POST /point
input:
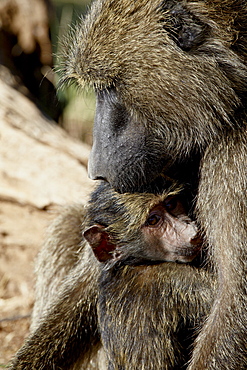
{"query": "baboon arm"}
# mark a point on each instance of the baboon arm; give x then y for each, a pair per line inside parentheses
(68, 331)
(222, 211)
(146, 312)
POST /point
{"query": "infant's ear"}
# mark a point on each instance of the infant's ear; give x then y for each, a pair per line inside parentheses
(100, 242)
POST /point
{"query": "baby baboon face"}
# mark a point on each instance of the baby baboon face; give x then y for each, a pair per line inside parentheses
(166, 234)
(170, 234)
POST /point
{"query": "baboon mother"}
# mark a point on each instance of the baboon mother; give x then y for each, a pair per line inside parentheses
(171, 84)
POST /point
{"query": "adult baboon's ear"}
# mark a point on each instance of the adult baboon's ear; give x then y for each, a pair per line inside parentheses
(100, 242)
(184, 27)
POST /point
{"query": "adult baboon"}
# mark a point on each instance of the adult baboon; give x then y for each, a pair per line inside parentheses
(66, 332)
(171, 83)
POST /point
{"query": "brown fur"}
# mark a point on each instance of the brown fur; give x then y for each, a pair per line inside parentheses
(171, 80)
(65, 329)
(150, 314)
(65, 302)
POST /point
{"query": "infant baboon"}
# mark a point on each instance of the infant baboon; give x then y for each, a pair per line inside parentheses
(171, 84)
(66, 332)
(149, 312)
(141, 227)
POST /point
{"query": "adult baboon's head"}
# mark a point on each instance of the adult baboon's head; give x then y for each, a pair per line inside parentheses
(168, 78)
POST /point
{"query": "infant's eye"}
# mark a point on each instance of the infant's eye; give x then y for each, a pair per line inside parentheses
(153, 220)
(171, 203)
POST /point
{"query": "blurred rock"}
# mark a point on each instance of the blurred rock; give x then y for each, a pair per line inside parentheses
(41, 169)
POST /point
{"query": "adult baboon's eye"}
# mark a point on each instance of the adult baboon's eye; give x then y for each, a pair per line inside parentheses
(184, 27)
(154, 220)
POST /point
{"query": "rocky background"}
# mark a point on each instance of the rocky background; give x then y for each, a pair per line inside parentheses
(42, 166)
